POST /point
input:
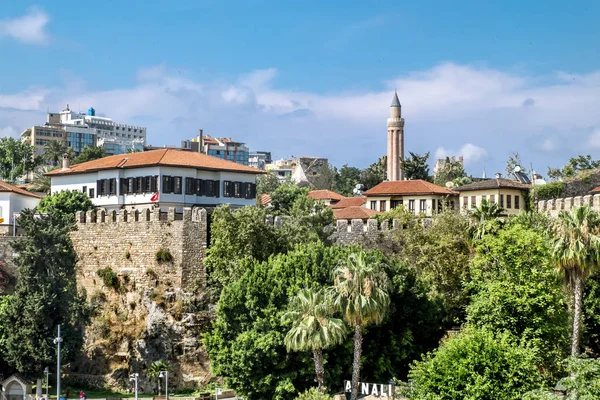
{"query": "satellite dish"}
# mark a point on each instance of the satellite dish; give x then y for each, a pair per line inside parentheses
(517, 169)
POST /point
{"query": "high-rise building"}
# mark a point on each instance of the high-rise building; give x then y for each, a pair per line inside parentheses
(395, 142)
(78, 130)
(259, 159)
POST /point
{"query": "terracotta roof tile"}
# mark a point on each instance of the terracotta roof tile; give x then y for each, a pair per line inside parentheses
(6, 187)
(265, 199)
(354, 212)
(324, 195)
(494, 183)
(350, 202)
(402, 188)
(164, 157)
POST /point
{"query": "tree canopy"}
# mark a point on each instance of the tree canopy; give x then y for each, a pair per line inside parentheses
(16, 159)
(65, 203)
(45, 295)
(449, 171)
(416, 166)
(89, 153)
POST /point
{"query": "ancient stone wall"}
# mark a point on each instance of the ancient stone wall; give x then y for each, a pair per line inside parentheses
(128, 243)
(555, 206)
(358, 231)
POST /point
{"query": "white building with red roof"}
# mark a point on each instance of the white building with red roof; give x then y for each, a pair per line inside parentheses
(417, 196)
(163, 178)
(13, 200)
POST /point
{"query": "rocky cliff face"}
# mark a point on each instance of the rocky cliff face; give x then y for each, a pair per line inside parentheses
(144, 277)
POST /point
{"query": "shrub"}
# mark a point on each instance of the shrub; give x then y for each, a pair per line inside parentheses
(476, 364)
(128, 255)
(109, 277)
(163, 255)
(313, 394)
(549, 191)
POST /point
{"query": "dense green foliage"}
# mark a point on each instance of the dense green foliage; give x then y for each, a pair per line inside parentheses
(16, 159)
(313, 394)
(109, 277)
(346, 180)
(583, 379)
(574, 166)
(266, 183)
(45, 296)
(374, 174)
(477, 364)
(65, 203)
(416, 166)
(89, 153)
(449, 171)
(548, 191)
(514, 289)
(54, 150)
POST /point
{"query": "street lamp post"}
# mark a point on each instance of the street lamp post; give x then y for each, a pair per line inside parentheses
(218, 391)
(165, 374)
(47, 372)
(134, 378)
(57, 341)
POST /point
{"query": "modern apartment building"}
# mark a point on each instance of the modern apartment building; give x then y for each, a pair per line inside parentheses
(259, 159)
(225, 148)
(78, 130)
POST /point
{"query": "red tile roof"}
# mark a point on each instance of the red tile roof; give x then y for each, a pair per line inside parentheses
(354, 212)
(402, 188)
(350, 202)
(325, 195)
(164, 157)
(265, 199)
(7, 187)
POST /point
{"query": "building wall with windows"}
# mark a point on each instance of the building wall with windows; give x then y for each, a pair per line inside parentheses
(177, 187)
(423, 204)
(513, 201)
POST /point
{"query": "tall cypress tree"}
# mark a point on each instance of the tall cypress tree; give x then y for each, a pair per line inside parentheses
(45, 295)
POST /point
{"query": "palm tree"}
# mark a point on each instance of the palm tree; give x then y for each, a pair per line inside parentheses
(360, 292)
(41, 182)
(480, 216)
(54, 151)
(576, 253)
(155, 369)
(313, 327)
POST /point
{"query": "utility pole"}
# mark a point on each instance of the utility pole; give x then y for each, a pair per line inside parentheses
(57, 341)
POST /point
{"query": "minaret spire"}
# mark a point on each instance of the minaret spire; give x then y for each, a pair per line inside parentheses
(395, 154)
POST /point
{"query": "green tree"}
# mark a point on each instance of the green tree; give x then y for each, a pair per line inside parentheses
(16, 159)
(346, 180)
(476, 364)
(450, 170)
(246, 342)
(576, 253)
(416, 167)
(313, 327)
(514, 160)
(65, 203)
(574, 166)
(155, 369)
(54, 150)
(266, 183)
(374, 174)
(285, 195)
(45, 296)
(514, 289)
(89, 153)
(583, 380)
(485, 218)
(360, 292)
(313, 394)
(325, 177)
(40, 182)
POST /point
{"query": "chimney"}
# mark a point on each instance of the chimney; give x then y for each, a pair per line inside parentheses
(498, 175)
(65, 164)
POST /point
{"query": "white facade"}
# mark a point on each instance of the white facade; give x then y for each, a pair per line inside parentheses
(113, 137)
(122, 194)
(11, 203)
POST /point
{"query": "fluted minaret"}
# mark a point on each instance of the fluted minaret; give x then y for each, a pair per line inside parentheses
(395, 152)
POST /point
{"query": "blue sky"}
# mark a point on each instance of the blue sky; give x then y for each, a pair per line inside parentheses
(482, 79)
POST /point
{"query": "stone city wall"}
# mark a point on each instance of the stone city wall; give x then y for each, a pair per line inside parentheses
(128, 242)
(555, 206)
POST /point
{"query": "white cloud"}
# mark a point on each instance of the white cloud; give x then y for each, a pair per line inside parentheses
(468, 151)
(449, 109)
(30, 28)
(594, 139)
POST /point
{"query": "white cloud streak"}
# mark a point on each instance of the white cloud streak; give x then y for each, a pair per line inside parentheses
(485, 114)
(30, 28)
